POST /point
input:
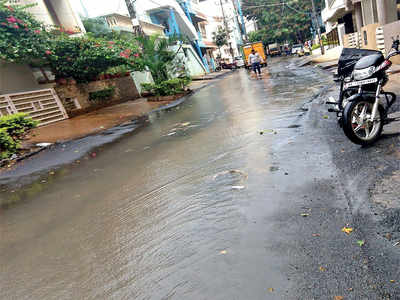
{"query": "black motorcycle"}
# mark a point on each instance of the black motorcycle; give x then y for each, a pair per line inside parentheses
(363, 105)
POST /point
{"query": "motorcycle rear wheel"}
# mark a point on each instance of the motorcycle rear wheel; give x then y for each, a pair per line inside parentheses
(359, 129)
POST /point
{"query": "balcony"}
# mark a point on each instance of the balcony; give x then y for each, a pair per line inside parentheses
(335, 10)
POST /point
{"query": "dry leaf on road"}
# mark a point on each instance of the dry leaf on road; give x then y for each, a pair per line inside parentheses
(347, 230)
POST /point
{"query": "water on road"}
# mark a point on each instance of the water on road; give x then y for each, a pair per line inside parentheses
(183, 208)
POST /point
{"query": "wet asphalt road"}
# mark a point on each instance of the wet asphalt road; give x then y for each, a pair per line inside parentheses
(198, 204)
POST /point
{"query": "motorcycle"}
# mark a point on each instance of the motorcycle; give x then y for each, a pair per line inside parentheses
(229, 66)
(363, 106)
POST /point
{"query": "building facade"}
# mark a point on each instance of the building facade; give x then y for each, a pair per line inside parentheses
(344, 17)
(55, 13)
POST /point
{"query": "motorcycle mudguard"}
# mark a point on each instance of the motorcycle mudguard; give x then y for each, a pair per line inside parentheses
(362, 96)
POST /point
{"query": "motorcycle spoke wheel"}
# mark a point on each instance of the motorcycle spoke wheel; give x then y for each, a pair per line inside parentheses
(362, 126)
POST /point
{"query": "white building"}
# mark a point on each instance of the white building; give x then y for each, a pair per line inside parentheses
(58, 13)
(215, 13)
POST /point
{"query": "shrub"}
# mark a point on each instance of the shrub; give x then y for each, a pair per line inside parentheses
(8, 145)
(12, 129)
(17, 125)
(102, 94)
(22, 38)
(84, 58)
(166, 88)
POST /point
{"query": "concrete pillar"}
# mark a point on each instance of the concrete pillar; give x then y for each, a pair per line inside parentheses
(381, 8)
(358, 15)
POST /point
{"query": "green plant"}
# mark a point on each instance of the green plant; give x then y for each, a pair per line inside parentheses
(220, 38)
(8, 145)
(169, 87)
(17, 125)
(23, 39)
(84, 58)
(12, 130)
(102, 94)
(157, 56)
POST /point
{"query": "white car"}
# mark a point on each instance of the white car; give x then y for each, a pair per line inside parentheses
(296, 48)
(239, 61)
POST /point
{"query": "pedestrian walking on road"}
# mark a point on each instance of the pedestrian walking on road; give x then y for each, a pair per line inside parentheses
(255, 61)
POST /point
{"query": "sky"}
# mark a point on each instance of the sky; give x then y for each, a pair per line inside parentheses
(100, 7)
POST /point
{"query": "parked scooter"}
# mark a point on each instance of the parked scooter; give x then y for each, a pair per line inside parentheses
(229, 66)
(363, 105)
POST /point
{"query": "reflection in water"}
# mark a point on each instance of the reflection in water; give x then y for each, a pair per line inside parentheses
(146, 218)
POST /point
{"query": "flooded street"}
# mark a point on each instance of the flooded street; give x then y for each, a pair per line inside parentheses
(196, 204)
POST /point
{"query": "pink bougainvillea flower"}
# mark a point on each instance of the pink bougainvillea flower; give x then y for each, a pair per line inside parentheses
(136, 55)
(37, 31)
(3, 24)
(11, 20)
(19, 21)
(123, 54)
(26, 29)
(48, 52)
(10, 8)
(16, 26)
(111, 42)
(109, 47)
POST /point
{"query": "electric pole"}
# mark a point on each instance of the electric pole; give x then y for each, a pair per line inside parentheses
(314, 13)
(137, 29)
(227, 29)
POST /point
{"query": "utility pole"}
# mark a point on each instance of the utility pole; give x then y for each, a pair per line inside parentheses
(227, 29)
(137, 29)
(321, 43)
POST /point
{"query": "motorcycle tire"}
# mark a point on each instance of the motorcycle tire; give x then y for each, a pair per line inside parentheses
(348, 125)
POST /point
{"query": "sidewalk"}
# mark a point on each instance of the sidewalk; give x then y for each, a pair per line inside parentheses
(329, 56)
(93, 122)
(105, 118)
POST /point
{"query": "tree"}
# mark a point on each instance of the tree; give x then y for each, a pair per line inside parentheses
(281, 21)
(97, 27)
(220, 38)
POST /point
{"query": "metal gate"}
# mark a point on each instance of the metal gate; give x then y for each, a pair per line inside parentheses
(42, 105)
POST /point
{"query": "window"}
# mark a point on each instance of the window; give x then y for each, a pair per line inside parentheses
(43, 75)
(365, 37)
(203, 30)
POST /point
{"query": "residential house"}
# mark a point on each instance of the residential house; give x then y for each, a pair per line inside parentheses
(30, 90)
(20, 78)
(123, 23)
(215, 12)
(179, 19)
(356, 23)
